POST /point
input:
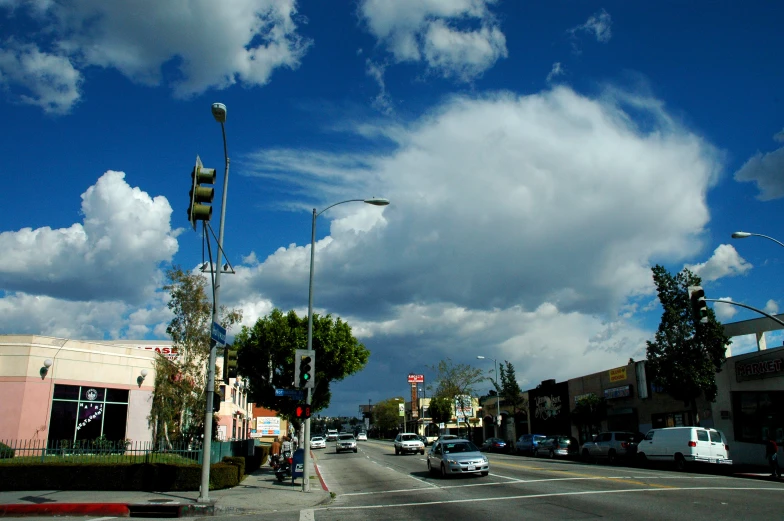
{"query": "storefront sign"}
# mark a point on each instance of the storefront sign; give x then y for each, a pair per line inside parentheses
(618, 392)
(169, 352)
(618, 374)
(579, 397)
(759, 367)
(416, 378)
(267, 426)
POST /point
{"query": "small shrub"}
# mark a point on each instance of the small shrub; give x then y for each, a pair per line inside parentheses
(6, 451)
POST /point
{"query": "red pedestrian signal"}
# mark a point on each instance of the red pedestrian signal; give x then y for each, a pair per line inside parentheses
(302, 411)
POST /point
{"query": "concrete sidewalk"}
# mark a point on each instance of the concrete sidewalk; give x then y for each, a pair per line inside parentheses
(258, 493)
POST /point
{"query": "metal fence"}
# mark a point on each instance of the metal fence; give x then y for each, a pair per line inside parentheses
(106, 451)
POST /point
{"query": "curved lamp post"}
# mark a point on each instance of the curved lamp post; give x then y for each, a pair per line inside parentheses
(375, 201)
(743, 235)
(497, 397)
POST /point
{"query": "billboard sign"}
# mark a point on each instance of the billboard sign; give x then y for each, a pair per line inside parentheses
(416, 378)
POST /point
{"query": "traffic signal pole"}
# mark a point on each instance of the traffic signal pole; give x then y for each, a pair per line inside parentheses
(306, 441)
(204, 490)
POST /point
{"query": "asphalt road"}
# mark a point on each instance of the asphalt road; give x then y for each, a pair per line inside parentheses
(377, 484)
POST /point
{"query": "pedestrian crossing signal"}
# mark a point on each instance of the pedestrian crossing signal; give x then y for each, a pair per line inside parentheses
(302, 411)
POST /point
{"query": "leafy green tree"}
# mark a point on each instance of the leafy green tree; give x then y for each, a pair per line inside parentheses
(441, 410)
(684, 358)
(386, 414)
(265, 356)
(456, 380)
(588, 414)
(179, 399)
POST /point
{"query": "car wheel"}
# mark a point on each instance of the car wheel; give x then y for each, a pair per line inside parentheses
(641, 459)
(586, 456)
(443, 470)
(552, 454)
(355, 451)
(485, 473)
(397, 452)
(612, 457)
(680, 463)
(430, 469)
(422, 452)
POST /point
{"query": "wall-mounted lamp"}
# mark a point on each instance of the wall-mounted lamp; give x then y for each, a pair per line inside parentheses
(141, 377)
(45, 369)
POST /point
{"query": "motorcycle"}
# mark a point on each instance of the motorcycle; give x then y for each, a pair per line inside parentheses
(282, 465)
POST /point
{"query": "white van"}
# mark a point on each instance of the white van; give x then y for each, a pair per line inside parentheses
(685, 444)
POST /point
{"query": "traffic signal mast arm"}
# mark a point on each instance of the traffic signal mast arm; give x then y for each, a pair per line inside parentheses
(747, 307)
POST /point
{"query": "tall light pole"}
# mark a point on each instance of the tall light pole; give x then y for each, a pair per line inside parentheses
(219, 113)
(497, 396)
(743, 235)
(376, 201)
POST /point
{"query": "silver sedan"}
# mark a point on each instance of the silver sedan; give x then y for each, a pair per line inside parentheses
(318, 442)
(456, 457)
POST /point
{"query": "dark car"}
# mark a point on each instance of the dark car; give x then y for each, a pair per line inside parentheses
(555, 446)
(527, 443)
(494, 445)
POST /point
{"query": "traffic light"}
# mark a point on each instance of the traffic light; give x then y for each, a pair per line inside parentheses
(304, 368)
(217, 398)
(201, 196)
(229, 363)
(302, 411)
(499, 420)
(699, 308)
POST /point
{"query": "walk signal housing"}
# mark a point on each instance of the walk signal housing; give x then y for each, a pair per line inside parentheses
(304, 368)
(201, 195)
(699, 308)
(302, 411)
(229, 363)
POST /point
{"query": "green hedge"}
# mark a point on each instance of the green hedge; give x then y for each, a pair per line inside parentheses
(238, 462)
(156, 477)
(6, 451)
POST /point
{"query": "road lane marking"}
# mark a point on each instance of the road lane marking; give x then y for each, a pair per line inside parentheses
(539, 496)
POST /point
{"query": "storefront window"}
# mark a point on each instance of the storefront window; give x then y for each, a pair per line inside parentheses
(757, 415)
(87, 412)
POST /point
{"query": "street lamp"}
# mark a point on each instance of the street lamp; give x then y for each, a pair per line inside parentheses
(743, 235)
(375, 201)
(219, 113)
(497, 396)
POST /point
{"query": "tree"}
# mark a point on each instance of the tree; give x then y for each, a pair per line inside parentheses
(454, 382)
(265, 356)
(587, 415)
(386, 414)
(510, 391)
(684, 358)
(440, 409)
(179, 395)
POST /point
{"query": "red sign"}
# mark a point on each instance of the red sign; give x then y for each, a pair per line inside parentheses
(416, 378)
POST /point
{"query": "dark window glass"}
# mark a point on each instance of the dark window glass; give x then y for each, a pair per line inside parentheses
(115, 421)
(90, 420)
(605, 437)
(66, 392)
(622, 436)
(117, 395)
(702, 436)
(93, 394)
(62, 421)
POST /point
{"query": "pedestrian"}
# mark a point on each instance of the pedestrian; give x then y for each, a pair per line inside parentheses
(286, 447)
(772, 455)
(275, 451)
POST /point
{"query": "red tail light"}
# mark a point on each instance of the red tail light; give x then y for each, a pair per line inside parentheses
(727, 448)
(290, 460)
(692, 444)
(624, 445)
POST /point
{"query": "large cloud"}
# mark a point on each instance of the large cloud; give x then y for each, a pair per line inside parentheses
(114, 255)
(209, 44)
(456, 38)
(725, 262)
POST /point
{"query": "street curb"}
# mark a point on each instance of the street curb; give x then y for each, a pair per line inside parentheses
(66, 509)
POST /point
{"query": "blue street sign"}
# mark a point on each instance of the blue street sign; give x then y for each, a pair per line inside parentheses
(298, 394)
(218, 333)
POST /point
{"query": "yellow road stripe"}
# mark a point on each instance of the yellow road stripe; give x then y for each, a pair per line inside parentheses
(580, 475)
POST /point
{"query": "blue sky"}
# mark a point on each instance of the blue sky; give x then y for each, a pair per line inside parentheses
(539, 157)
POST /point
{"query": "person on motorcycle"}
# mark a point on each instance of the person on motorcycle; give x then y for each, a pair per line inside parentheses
(275, 451)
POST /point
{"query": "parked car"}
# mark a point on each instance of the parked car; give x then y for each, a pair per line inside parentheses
(345, 442)
(362, 436)
(610, 446)
(494, 445)
(456, 456)
(408, 442)
(423, 439)
(318, 442)
(332, 434)
(557, 446)
(526, 444)
(683, 445)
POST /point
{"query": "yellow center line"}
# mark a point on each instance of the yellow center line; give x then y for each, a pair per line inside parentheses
(581, 475)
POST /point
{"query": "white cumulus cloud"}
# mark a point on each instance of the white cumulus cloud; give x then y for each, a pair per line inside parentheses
(725, 262)
(724, 312)
(457, 38)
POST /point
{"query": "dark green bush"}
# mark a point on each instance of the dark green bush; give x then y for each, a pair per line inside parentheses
(239, 462)
(157, 477)
(6, 451)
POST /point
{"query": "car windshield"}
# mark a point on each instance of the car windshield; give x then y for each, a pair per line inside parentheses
(346, 437)
(408, 437)
(462, 446)
(316, 438)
